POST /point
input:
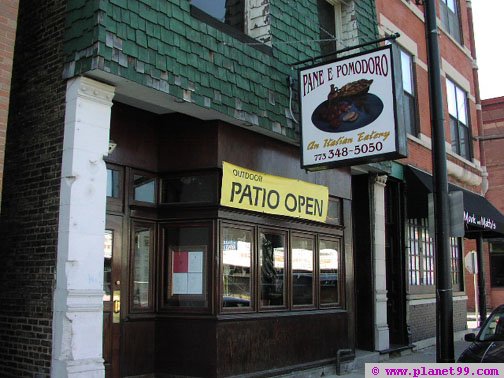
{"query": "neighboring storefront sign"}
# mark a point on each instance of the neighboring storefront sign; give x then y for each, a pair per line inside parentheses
(250, 190)
(479, 221)
(348, 111)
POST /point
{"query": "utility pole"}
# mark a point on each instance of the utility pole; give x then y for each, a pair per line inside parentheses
(444, 298)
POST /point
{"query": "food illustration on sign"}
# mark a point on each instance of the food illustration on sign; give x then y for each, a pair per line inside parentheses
(347, 108)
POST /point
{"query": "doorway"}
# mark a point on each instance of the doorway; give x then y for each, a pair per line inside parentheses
(112, 295)
(394, 247)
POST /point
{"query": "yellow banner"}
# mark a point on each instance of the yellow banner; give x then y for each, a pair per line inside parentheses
(255, 191)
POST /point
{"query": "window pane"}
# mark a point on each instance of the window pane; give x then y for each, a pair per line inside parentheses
(237, 265)
(464, 141)
(112, 183)
(107, 265)
(187, 248)
(329, 264)
(452, 98)
(407, 72)
(302, 271)
(144, 188)
(327, 31)
(141, 267)
(272, 264)
(230, 12)
(334, 211)
(497, 269)
(409, 114)
(454, 135)
(461, 106)
(451, 5)
(196, 188)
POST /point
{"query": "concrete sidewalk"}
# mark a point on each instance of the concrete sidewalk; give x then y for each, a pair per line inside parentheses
(424, 352)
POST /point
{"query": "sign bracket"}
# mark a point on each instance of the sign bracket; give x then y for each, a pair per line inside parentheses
(335, 53)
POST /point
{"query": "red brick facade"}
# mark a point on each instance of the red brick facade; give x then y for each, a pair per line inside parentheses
(8, 24)
(493, 131)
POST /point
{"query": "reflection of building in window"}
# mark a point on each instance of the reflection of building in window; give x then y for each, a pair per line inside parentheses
(421, 253)
(272, 263)
(141, 270)
(409, 93)
(450, 18)
(107, 265)
(250, 17)
(236, 259)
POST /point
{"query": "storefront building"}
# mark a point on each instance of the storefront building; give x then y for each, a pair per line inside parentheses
(397, 278)
(491, 139)
(138, 232)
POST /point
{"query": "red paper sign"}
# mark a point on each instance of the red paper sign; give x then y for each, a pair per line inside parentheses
(180, 262)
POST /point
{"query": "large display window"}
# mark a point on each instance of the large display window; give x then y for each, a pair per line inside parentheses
(263, 271)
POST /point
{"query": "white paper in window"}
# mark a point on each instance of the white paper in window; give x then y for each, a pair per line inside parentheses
(195, 283)
(179, 285)
(195, 263)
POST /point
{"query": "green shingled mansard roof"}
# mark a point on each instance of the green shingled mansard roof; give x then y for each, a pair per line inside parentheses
(158, 44)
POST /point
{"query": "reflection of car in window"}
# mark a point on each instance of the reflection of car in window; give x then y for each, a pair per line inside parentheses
(236, 302)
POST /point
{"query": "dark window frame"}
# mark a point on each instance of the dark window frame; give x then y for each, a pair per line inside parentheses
(116, 204)
(413, 126)
(255, 306)
(151, 225)
(421, 261)
(450, 19)
(496, 261)
(458, 130)
(252, 307)
(340, 273)
(184, 303)
(131, 187)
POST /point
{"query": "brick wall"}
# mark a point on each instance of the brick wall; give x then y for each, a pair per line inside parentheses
(421, 318)
(8, 24)
(493, 124)
(28, 228)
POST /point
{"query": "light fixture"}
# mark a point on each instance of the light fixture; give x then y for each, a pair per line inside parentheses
(111, 146)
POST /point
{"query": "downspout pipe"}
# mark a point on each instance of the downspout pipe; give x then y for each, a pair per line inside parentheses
(444, 291)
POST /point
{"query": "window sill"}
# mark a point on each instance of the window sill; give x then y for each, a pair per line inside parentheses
(278, 314)
(233, 32)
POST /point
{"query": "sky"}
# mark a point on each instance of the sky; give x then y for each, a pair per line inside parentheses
(488, 18)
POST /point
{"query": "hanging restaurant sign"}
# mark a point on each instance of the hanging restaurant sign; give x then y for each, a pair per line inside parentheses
(348, 111)
(250, 190)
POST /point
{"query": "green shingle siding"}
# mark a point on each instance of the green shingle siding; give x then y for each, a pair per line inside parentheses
(159, 44)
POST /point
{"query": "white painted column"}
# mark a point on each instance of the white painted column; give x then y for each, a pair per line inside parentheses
(380, 271)
(78, 305)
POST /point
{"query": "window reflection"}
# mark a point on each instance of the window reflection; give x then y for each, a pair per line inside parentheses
(141, 268)
(230, 12)
(144, 188)
(112, 183)
(328, 262)
(107, 265)
(302, 271)
(236, 262)
(272, 264)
